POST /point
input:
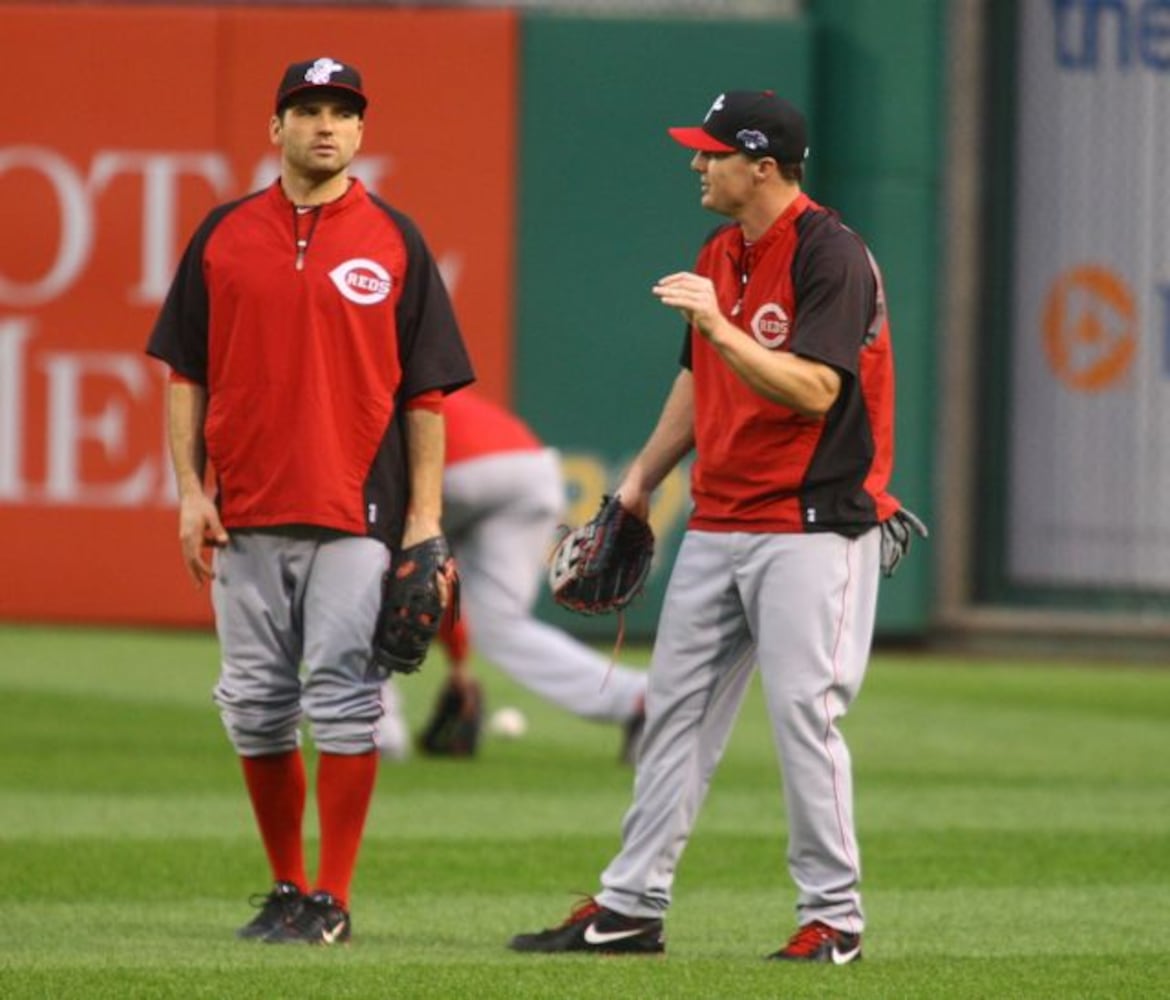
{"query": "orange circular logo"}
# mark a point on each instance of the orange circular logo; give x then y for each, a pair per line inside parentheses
(1090, 328)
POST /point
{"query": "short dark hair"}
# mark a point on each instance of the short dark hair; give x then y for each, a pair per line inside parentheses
(792, 172)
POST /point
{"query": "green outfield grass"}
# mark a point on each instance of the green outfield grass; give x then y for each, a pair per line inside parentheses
(1014, 820)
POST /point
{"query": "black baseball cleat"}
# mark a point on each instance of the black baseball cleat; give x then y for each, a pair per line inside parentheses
(591, 927)
(276, 909)
(817, 942)
(321, 920)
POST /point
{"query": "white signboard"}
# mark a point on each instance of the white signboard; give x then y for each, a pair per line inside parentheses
(1089, 476)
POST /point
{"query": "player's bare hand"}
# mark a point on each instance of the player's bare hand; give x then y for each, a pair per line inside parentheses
(199, 530)
(693, 296)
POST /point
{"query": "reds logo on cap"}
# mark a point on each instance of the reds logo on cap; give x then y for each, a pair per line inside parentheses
(320, 72)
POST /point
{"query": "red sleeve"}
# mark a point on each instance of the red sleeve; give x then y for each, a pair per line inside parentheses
(431, 400)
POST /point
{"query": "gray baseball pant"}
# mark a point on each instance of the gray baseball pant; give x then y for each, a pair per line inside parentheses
(803, 607)
(293, 596)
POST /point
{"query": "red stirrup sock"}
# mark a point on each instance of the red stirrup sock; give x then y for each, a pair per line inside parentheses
(277, 788)
(345, 785)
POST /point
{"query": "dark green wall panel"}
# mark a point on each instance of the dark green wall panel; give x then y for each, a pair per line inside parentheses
(879, 84)
(879, 77)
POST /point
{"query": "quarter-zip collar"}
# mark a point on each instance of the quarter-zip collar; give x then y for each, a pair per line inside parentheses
(744, 258)
(306, 218)
(750, 252)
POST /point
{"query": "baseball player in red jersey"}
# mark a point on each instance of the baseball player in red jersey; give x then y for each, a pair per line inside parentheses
(786, 395)
(503, 497)
(310, 341)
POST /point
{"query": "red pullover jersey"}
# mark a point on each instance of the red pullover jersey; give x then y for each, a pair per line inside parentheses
(807, 286)
(308, 328)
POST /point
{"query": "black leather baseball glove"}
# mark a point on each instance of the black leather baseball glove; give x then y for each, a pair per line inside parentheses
(601, 566)
(412, 607)
(456, 721)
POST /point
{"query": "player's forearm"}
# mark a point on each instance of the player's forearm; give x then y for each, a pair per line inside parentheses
(425, 444)
(806, 386)
(671, 440)
(186, 410)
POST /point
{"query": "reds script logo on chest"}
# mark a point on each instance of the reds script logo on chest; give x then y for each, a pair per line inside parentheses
(362, 280)
(770, 325)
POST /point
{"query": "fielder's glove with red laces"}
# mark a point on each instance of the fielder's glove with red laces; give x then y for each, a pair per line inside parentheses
(601, 566)
(412, 607)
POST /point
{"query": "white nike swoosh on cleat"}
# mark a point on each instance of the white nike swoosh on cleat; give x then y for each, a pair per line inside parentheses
(331, 936)
(845, 957)
(594, 936)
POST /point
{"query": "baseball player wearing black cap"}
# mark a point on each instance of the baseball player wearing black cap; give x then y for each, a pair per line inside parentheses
(310, 341)
(786, 396)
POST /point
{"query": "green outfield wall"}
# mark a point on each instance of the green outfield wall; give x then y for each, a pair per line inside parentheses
(606, 204)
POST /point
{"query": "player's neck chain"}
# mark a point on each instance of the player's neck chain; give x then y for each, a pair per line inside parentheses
(302, 242)
(741, 266)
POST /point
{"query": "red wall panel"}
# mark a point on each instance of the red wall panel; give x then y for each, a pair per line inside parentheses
(140, 120)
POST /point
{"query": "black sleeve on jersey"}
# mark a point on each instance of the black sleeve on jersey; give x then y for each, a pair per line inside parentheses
(684, 355)
(430, 347)
(179, 336)
(835, 292)
(388, 483)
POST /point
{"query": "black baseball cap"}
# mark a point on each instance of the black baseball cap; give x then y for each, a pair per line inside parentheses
(325, 75)
(754, 122)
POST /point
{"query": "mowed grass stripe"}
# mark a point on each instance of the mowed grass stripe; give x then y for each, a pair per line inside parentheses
(924, 945)
(176, 868)
(882, 806)
(337, 975)
(704, 924)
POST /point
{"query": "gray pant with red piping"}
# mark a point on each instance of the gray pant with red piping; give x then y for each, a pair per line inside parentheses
(802, 606)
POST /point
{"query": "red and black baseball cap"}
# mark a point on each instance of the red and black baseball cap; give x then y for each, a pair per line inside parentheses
(325, 75)
(754, 122)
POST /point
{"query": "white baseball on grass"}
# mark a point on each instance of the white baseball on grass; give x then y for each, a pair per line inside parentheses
(508, 722)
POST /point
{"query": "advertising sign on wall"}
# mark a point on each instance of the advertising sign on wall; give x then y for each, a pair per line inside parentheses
(1090, 371)
(130, 124)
